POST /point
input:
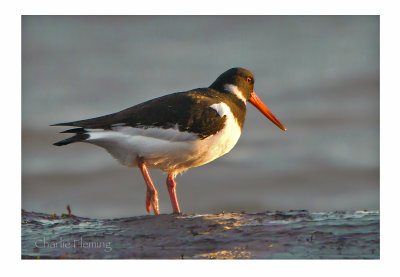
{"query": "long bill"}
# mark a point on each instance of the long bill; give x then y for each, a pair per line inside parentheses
(256, 101)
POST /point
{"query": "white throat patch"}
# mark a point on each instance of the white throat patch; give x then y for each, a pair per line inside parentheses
(236, 91)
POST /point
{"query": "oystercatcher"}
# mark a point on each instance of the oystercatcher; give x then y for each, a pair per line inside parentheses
(175, 132)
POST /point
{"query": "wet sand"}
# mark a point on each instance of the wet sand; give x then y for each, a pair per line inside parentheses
(267, 235)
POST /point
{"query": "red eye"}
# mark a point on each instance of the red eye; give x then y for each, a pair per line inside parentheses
(248, 80)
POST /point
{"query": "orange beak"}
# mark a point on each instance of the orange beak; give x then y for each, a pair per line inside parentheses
(262, 108)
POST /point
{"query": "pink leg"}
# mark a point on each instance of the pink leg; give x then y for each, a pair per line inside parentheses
(171, 184)
(151, 195)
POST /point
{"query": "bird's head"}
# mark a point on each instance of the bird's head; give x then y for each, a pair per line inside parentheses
(240, 82)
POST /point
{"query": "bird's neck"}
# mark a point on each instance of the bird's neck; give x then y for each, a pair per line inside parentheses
(236, 105)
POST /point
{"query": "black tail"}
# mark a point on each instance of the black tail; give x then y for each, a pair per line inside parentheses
(75, 131)
(80, 136)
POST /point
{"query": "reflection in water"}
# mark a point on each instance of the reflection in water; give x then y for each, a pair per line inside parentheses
(238, 252)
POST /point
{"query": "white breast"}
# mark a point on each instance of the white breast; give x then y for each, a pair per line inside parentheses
(222, 142)
(168, 149)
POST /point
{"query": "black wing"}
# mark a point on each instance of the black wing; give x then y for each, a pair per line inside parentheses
(189, 111)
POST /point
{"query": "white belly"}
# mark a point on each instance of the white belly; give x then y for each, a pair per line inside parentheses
(168, 149)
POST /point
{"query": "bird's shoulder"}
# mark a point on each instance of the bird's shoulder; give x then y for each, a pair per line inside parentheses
(188, 111)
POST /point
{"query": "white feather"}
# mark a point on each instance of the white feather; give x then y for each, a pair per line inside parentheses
(221, 108)
(168, 149)
(235, 90)
(172, 134)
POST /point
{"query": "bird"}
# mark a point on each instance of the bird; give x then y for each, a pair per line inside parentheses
(174, 132)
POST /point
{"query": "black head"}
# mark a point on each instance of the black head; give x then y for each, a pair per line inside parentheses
(239, 81)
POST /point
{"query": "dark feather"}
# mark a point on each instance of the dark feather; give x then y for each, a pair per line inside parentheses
(76, 138)
(190, 111)
(74, 130)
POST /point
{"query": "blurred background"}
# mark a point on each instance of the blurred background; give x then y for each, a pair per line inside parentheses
(318, 74)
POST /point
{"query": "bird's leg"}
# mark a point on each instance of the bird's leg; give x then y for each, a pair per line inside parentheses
(171, 184)
(151, 194)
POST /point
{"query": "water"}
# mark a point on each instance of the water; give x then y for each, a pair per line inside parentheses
(265, 235)
(318, 74)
